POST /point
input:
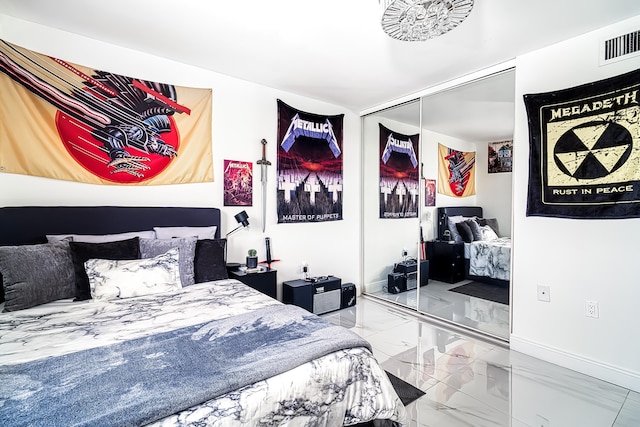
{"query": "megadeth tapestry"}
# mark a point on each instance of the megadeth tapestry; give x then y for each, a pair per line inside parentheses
(69, 122)
(584, 159)
(309, 166)
(399, 174)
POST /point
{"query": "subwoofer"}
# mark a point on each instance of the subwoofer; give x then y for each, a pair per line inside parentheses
(348, 297)
(396, 283)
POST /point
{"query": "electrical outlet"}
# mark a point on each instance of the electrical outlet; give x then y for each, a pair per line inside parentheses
(591, 309)
(404, 252)
(544, 293)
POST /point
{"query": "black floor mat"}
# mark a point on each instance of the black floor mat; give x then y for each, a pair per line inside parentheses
(495, 293)
(406, 392)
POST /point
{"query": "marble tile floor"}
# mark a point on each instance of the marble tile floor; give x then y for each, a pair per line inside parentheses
(469, 381)
(487, 316)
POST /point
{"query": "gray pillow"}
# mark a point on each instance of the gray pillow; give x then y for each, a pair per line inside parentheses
(150, 248)
(36, 274)
(491, 222)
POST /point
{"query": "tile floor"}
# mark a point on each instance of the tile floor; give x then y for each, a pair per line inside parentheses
(473, 382)
(482, 315)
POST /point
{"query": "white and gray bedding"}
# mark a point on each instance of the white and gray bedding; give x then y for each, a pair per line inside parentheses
(488, 254)
(490, 258)
(81, 346)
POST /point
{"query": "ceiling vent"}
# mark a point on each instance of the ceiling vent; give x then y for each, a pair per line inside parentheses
(620, 47)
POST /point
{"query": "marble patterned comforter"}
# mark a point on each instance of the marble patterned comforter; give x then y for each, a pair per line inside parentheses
(491, 258)
(342, 388)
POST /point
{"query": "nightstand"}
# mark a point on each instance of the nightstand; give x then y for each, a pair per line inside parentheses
(446, 261)
(264, 281)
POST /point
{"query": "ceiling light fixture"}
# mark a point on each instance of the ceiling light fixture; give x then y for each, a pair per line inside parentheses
(420, 20)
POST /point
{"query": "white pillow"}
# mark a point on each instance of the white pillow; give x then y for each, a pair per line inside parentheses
(487, 233)
(199, 232)
(111, 279)
(101, 238)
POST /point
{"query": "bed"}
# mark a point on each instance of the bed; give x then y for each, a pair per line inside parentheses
(148, 352)
(487, 254)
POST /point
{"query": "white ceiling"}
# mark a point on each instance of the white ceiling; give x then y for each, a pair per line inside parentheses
(330, 50)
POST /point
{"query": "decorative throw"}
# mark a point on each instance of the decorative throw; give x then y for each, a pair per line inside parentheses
(136, 382)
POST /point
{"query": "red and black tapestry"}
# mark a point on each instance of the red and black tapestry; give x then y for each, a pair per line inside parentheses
(399, 174)
(309, 166)
(65, 121)
(584, 145)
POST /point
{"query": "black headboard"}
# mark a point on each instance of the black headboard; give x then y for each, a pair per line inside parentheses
(29, 224)
(444, 213)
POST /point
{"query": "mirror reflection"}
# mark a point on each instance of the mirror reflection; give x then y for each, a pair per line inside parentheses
(464, 124)
(391, 198)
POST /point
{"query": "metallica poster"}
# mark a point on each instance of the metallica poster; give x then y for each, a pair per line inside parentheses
(238, 183)
(309, 166)
(585, 150)
(65, 121)
(456, 172)
(399, 174)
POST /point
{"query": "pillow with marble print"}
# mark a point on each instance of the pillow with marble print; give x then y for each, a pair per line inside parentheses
(488, 234)
(176, 232)
(112, 279)
(128, 249)
(186, 249)
(101, 238)
(36, 274)
(491, 222)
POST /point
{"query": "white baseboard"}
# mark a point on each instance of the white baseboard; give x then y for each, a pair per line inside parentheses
(603, 371)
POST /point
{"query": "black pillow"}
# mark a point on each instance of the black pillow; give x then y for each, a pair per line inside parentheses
(81, 252)
(209, 262)
(475, 229)
(465, 231)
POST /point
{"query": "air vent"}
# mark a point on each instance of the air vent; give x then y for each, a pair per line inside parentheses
(618, 48)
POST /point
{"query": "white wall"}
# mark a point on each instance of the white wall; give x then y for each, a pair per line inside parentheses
(579, 259)
(243, 114)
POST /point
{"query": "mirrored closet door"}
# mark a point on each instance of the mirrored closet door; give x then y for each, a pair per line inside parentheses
(391, 195)
(468, 117)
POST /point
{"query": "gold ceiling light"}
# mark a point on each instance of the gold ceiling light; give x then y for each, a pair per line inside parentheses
(420, 20)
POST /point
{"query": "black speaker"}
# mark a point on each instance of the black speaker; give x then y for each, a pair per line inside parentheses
(396, 283)
(318, 295)
(348, 297)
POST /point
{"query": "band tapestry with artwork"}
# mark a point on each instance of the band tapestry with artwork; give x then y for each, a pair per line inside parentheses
(309, 164)
(456, 172)
(399, 174)
(69, 122)
(584, 150)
